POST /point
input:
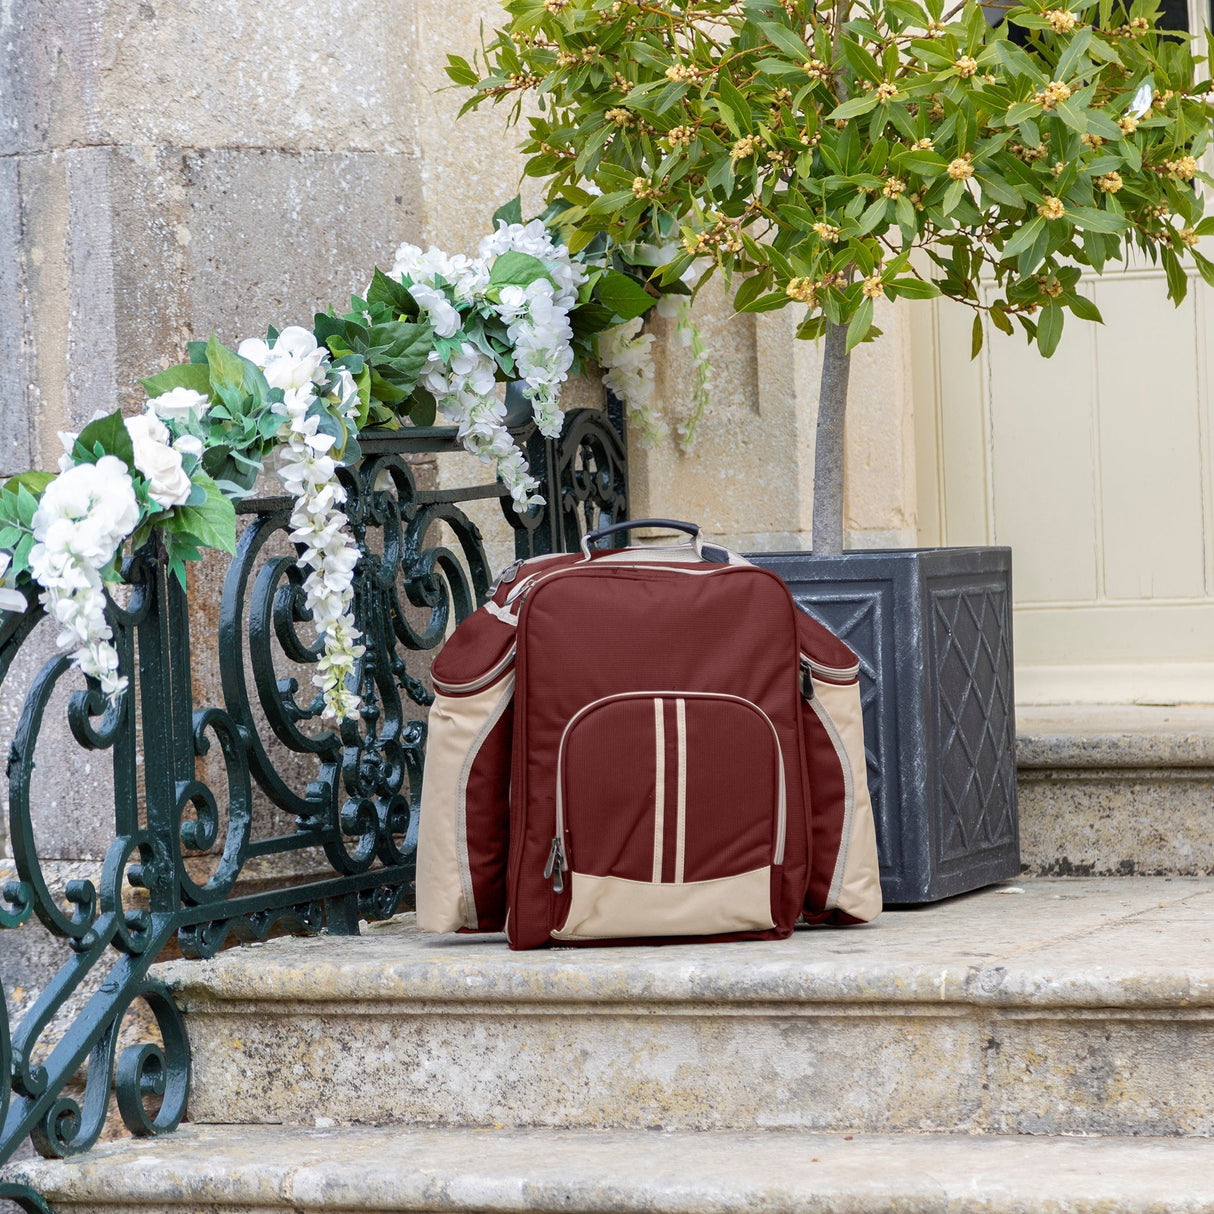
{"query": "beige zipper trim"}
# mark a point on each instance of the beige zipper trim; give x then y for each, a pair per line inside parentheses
(849, 802)
(843, 674)
(659, 796)
(680, 830)
(782, 793)
(481, 680)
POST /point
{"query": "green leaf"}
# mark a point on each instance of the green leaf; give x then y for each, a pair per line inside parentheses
(1101, 124)
(751, 289)
(854, 108)
(424, 410)
(510, 212)
(1049, 329)
(735, 109)
(226, 368)
(1017, 113)
(912, 288)
(213, 524)
(860, 324)
(998, 190)
(1092, 219)
(1178, 282)
(873, 215)
(624, 296)
(1024, 237)
(33, 481)
(976, 336)
(786, 40)
(1073, 116)
(517, 269)
(1001, 320)
(923, 162)
(1069, 61)
(189, 375)
(110, 435)
(766, 303)
(388, 291)
(953, 195)
(860, 61)
(461, 71)
(1084, 308)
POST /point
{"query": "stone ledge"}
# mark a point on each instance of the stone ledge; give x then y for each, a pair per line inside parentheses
(1111, 943)
(496, 1171)
(1056, 1006)
(1083, 736)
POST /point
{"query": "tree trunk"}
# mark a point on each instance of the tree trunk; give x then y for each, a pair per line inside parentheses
(828, 453)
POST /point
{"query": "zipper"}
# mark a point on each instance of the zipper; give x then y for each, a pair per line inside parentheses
(524, 588)
(836, 674)
(556, 866)
(490, 676)
(558, 861)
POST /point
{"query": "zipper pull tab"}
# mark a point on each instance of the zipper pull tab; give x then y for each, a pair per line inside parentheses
(507, 575)
(556, 866)
(807, 681)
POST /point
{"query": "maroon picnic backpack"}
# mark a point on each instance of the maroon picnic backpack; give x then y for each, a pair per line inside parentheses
(644, 744)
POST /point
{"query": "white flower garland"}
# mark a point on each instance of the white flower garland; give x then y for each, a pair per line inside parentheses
(515, 324)
(308, 471)
(463, 381)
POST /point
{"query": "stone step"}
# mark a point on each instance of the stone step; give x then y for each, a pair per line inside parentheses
(1116, 789)
(1050, 1007)
(210, 1170)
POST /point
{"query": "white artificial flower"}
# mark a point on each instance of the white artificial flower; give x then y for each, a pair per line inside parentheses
(293, 361)
(84, 515)
(329, 553)
(10, 600)
(535, 240)
(99, 499)
(68, 439)
(189, 444)
(1141, 101)
(168, 484)
(181, 404)
(626, 358)
(444, 317)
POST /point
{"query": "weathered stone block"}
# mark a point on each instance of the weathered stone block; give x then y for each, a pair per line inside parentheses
(196, 74)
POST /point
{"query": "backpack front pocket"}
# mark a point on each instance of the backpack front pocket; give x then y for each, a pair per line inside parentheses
(670, 814)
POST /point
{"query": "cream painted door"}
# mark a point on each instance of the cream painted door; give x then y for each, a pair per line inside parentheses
(1095, 466)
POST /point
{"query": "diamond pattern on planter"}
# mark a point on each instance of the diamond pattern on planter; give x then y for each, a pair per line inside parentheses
(857, 621)
(970, 632)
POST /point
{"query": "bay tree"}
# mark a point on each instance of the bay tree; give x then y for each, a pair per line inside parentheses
(822, 156)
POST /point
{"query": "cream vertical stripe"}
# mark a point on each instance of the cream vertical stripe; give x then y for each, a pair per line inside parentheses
(680, 710)
(659, 782)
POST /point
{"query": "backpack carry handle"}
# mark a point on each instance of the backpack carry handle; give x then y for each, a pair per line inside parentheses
(666, 524)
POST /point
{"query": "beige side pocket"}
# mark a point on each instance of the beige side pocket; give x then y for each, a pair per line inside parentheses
(855, 888)
(603, 908)
(458, 726)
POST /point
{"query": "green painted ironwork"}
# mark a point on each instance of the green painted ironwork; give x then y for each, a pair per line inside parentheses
(356, 803)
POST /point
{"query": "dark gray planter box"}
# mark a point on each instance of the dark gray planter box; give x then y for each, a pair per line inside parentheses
(933, 630)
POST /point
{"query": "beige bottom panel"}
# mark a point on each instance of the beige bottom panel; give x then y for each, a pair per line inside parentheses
(606, 907)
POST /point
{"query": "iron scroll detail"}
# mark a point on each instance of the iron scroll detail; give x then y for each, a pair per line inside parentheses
(206, 796)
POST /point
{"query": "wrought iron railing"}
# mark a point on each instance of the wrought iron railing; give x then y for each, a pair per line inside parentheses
(194, 785)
